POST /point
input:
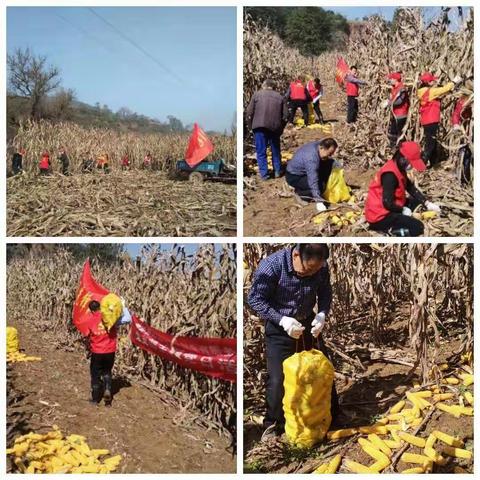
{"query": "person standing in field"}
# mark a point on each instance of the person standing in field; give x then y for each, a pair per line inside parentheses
(352, 84)
(399, 104)
(267, 115)
(315, 90)
(44, 164)
(387, 208)
(287, 287)
(297, 96)
(430, 112)
(65, 161)
(147, 161)
(17, 161)
(102, 163)
(309, 169)
(125, 162)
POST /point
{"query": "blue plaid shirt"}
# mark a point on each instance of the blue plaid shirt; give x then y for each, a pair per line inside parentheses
(277, 291)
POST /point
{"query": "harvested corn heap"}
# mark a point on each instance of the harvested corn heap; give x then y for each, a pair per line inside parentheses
(13, 347)
(390, 433)
(111, 308)
(52, 453)
(306, 403)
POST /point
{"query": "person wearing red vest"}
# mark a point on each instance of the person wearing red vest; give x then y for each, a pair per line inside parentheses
(103, 345)
(125, 162)
(298, 97)
(399, 104)
(315, 90)
(44, 164)
(430, 112)
(387, 208)
(352, 84)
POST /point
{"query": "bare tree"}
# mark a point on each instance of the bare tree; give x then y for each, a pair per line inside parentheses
(30, 76)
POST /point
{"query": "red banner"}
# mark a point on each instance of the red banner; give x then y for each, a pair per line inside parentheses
(341, 71)
(215, 357)
(199, 147)
(88, 290)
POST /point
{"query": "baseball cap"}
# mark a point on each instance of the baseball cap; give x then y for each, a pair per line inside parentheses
(395, 76)
(428, 77)
(413, 153)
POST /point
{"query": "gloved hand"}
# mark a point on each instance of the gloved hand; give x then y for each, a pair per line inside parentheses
(457, 127)
(457, 79)
(320, 207)
(406, 211)
(385, 104)
(432, 207)
(318, 324)
(292, 327)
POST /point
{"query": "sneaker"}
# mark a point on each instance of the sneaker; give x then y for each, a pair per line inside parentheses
(269, 433)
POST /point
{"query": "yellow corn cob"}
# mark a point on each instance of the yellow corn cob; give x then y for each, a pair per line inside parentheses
(396, 416)
(451, 381)
(98, 452)
(415, 384)
(370, 449)
(412, 439)
(457, 452)
(393, 427)
(467, 378)
(334, 464)
(465, 410)
(416, 422)
(443, 367)
(321, 468)
(397, 407)
(392, 444)
(382, 421)
(428, 466)
(414, 470)
(468, 397)
(430, 441)
(435, 390)
(434, 455)
(414, 458)
(452, 410)
(378, 466)
(395, 436)
(423, 394)
(448, 439)
(380, 429)
(358, 467)
(342, 433)
(380, 444)
(442, 396)
(417, 402)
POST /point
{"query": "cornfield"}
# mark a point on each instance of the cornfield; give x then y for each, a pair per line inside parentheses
(83, 143)
(425, 290)
(176, 293)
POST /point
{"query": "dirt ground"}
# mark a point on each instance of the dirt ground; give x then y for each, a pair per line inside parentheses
(141, 425)
(270, 208)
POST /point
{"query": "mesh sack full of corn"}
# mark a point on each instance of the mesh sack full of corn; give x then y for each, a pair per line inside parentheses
(111, 308)
(306, 403)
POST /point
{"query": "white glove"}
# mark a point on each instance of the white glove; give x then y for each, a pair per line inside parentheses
(385, 104)
(318, 324)
(406, 211)
(432, 207)
(292, 327)
(457, 79)
(320, 207)
(457, 127)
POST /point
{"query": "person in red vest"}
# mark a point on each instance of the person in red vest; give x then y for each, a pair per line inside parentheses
(103, 345)
(147, 161)
(430, 112)
(352, 84)
(44, 164)
(387, 208)
(315, 90)
(399, 103)
(298, 97)
(125, 162)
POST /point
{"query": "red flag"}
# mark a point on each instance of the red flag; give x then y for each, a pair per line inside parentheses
(341, 71)
(199, 147)
(88, 290)
(215, 357)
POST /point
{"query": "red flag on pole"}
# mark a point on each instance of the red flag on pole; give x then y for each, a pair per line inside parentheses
(341, 71)
(199, 147)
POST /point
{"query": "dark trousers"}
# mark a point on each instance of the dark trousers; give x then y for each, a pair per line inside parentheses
(395, 129)
(17, 165)
(467, 164)
(300, 184)
(101, 365)
(293, 105)
(318, 112)
(430, 149)
(352, 109)
(263, 139)
(279, 348)
(395, 221)
(65, 168)
(44, 171)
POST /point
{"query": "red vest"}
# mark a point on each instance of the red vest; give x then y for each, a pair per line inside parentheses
(374, 209)
(402, 110)
(297, 91)
(352, 89)
(312, 90)
(429, 110)
(102, 341)
(44, 162)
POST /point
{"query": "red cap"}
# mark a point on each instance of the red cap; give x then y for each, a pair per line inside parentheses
(413, 153)
(427, 77)
(395, 76)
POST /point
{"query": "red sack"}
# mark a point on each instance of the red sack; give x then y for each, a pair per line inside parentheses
(341, 71)
(199, 147)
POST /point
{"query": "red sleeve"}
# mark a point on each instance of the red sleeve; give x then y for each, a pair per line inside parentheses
(457, 112)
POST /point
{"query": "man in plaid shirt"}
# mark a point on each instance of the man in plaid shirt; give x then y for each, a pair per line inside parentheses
(286, 287)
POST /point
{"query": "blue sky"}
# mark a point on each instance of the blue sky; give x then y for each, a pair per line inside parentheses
(353, 13)
(192, 74)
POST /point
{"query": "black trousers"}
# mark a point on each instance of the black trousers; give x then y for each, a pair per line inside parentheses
(352, 109)
(430, 149)
(101, 365)
(65, 168)
(17, 165)
(278, 348)
(293, 105)
(318, 112)
(300, 184)
(395, 129)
